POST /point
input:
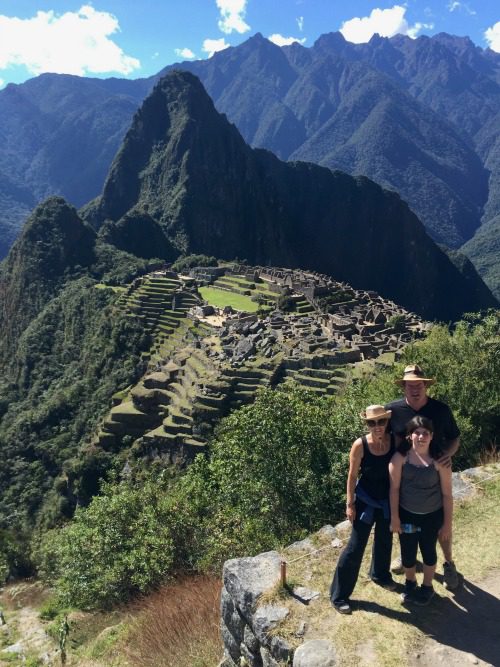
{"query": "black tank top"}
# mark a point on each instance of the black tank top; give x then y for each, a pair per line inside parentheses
(374, 471)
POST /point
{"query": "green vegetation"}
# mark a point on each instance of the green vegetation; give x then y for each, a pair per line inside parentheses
(188, 261)
(276, 471)
(285, 303)
(119, 546)
(220, 299)
(397, 322)
(466, 364)
(69, 361)
(483, 249)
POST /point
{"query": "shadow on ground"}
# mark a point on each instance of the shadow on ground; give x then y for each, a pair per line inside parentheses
(466, 623)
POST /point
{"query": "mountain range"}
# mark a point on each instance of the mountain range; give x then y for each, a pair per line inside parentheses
(417, 116)
(186, 169)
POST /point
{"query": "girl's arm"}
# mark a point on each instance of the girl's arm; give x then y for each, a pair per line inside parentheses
(354, 463)
(395, 467)
(447, 492)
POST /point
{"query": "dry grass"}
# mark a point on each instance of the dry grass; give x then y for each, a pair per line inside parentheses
(178, 626)
(490, 455)
(28, 593)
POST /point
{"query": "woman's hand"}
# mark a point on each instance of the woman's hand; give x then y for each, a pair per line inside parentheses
(395, 525)
(350, 512)
(445, 532)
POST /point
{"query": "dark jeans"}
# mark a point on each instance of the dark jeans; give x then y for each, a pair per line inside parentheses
(347, 571)
(426, 538)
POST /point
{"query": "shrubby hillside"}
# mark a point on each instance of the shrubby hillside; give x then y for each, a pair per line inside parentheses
(276, 470)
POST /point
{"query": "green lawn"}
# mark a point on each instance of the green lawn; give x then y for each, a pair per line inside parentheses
(220, 298)
(115, 288)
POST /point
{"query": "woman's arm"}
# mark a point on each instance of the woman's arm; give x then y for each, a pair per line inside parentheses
(447, 492)
(395, 467)
(354, 463)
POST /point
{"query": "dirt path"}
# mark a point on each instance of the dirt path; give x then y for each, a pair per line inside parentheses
(32, 638)
(463, 630)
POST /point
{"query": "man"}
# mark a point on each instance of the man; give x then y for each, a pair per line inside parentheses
(446, 436)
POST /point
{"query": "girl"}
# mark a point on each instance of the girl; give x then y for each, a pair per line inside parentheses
(421, 505)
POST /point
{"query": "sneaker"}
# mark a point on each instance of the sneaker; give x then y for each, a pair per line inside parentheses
(423, 595)
(343, 607)
(388, 584)
(397, 566)
(450, 576)
(408, 592)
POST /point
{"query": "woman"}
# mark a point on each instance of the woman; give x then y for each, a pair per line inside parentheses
(367, 504)
(421, 505)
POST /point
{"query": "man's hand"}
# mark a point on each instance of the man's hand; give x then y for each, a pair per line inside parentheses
(444, 460)
(350, 513)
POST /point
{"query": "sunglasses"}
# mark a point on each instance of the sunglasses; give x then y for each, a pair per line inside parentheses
(376, 422)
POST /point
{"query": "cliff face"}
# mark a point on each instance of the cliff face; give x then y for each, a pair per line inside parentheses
(55, 243)
(214, 194)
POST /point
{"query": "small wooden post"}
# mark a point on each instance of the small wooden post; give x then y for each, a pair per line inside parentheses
(283, 573)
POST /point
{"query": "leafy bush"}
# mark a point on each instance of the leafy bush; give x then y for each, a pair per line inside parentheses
(285, 303)
(397, 322)
(276, 470)
(118, 546)
(188, 261)
(466, 364)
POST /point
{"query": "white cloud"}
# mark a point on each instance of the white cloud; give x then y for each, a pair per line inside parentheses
(71, 43)
(418, 27)
(454, 5)
(211, 46)
(279, 40)
(492, 36)
(232, 16)
(385, 22)
(300, 23)
(185, 53)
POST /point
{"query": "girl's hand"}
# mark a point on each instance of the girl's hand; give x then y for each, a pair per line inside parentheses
(395, 526)
(445, 532)
(350, 513)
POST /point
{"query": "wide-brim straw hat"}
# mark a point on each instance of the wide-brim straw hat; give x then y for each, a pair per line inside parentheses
(375, 412)
(414, 373)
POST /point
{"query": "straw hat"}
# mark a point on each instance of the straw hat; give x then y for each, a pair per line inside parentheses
(375, 412)
(414, 373)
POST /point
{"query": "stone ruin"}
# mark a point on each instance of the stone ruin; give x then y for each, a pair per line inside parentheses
(198, 371)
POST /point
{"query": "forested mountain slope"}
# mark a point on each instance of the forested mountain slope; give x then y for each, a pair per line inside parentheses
(192, 171)
(418, 116)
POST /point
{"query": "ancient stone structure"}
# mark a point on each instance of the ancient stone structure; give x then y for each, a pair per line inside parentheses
(204, 362)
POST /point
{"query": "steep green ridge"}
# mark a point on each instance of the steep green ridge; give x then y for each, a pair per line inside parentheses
(55, 244)
(483, 250)
(212, 194)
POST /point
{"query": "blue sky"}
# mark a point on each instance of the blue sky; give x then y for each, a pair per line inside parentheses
(137, 38)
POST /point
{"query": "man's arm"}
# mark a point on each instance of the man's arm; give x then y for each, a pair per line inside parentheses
(451, 435)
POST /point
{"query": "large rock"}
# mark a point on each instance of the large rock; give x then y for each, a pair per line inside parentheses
(246, 579)
(315, 653)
